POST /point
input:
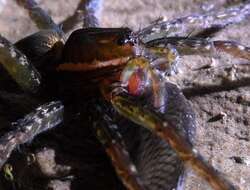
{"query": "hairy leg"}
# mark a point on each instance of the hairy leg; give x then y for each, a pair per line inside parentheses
(193, 24)
(18, 66)
(42, 119)
(39, 16)
(86, 14)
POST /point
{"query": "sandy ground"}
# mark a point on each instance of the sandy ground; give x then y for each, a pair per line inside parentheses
(225, 143)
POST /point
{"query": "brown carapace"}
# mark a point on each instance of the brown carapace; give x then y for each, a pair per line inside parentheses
(96, 48)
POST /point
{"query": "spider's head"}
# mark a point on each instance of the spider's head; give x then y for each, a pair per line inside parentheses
(98, 44)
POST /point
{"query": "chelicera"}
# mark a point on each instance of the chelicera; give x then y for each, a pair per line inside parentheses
(120, 77)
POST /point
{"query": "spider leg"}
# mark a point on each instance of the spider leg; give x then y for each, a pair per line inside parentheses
(46, 47)
(156, 120)
(16, 58)
(18, 66)
(201, 46)
(157, 164)
(233, 48)
(111, 139)
(167, 131)
(85, 14)
(39, 16)
(42, 119)
(187, 25)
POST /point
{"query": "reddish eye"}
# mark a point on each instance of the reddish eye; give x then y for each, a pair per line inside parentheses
(136, 83)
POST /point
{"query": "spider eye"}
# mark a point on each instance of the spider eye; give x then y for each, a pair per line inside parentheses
(125, 39)
(121, 41)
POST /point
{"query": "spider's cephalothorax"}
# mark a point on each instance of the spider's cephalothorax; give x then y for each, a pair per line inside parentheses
(112, 82)
(104, 44)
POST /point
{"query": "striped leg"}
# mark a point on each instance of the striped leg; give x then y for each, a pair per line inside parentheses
(108, 135)
(174, 126)
(18, 66)
(169, 133)
(39, 16)
(192, 24)
(42, 119)
(86, 14)
(200, 46)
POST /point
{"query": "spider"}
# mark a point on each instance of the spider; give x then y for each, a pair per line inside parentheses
(121, 81)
